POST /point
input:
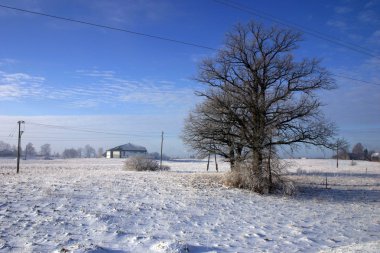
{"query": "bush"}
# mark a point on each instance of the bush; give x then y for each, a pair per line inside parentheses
(141, 163)
(243, 177)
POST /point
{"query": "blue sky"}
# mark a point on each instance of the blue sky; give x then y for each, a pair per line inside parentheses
(74, 75)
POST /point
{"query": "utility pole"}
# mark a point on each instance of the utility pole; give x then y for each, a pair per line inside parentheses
(19, 144)
(337, 154)
(162, 143)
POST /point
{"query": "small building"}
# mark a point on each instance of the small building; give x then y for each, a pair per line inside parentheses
(125, 151)
(375, 157)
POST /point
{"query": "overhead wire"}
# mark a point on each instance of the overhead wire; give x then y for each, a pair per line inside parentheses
(355, 79)
(13, 131)
(230, 4)
(151, 134)
(107, 27)
(317, 34)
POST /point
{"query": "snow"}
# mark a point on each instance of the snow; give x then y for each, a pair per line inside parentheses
(92, 205)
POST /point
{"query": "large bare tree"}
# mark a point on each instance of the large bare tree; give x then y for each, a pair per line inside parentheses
(273, 95)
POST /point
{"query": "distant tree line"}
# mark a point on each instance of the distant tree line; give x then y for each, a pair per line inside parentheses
(45, 152)
(6, 150)
(358, 152)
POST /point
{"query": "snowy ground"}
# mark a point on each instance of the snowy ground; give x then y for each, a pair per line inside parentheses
(92, 205)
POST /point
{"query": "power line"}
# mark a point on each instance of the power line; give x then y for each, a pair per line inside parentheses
(11, 134)
(80, 129)
(107, 27)
(355, 79)
(149, 134)
(266, 16)
(306, 30)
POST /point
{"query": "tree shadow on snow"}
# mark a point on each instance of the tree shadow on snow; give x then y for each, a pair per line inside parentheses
(202, 249)
(332, 174)
(188, 161)
(104, 250)
(337, 194)
(189, 248)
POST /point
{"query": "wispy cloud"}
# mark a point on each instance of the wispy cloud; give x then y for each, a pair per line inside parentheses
(33, 5)
(114, 88)
(7, 62)
(337, 23)
(93, 88)
(19, 85)
(375, 38)
(369, 16)
(342, 9)
(132, 11)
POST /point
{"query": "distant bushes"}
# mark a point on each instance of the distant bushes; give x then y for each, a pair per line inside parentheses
(141, 163)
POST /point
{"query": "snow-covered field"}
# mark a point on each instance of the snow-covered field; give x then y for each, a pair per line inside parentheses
(92, 205)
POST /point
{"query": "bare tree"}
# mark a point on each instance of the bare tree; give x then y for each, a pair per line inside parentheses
(45, 151)
(70, 153)
(30, 151)
(89, 152)
(274, 96)
(358, 152)
(6, 149)
(79, 152)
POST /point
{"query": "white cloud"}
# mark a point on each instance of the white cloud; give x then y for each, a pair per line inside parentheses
(337, 23)
(8, 92)
(369, 16)
(108, 87)
(342, 9)
(95, 88)
(18, 85)
(97, 73)
(7, 61)
(375, 38)
(132, 11)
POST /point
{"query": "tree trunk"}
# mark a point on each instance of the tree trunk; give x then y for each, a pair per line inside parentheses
(270, 183)
(232, 157)
(257, 170)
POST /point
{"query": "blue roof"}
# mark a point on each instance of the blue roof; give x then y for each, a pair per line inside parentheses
(129, 147)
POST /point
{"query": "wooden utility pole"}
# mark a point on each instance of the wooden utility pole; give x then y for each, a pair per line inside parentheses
(337, 154)
(19, 144)
(162, 143)
(216, 163)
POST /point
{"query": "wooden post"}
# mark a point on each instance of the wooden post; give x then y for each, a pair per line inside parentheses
(162, 142)
(216, 163)
(19, 144)
(208, 161)
(337, 151)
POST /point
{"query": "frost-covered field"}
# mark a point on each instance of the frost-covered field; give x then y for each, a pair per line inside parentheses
(92, 205)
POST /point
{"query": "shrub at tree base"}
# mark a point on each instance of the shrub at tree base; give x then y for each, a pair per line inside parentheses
(140, 163)
(241, 177)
